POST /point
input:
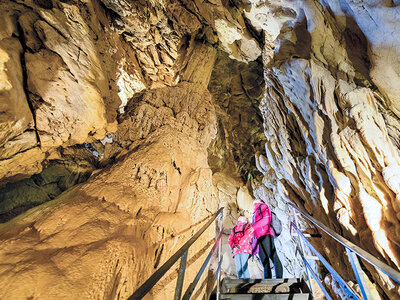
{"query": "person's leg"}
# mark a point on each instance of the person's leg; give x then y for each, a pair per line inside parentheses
(275, 259)
(244, 257)
(264, 256)
(238, 264)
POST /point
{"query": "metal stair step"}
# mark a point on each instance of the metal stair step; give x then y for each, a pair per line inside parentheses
(288, 296)
(263, 286)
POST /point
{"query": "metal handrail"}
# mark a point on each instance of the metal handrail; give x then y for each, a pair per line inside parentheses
(153, 279)
(192, 286)
(389, 271)
(349, 291)
(321, 286)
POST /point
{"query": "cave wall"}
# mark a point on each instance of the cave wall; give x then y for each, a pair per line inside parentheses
(105, 237)
(69, 68)
(127, 87)
(59, 74)
(120, 87)
(332, 127)
(237, 88)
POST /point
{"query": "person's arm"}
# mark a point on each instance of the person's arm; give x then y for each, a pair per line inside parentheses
(249, 229)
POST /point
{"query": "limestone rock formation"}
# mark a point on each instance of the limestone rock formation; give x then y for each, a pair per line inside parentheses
(332, 139)
(165, 110)
(238, 89)
(109, 234)
(60, 80)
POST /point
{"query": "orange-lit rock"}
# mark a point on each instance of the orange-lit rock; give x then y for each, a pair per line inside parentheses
(127, 87)
(109, 234)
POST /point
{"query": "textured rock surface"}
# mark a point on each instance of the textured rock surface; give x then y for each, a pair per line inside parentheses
(238, 89)
(76, 62)
(332, 137)
(61, 80)
(111, 233)
(122, 85)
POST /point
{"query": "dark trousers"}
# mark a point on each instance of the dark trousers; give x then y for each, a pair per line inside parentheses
(268, 251)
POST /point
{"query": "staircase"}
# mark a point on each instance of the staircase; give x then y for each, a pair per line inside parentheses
(275, 289)
(268, 289)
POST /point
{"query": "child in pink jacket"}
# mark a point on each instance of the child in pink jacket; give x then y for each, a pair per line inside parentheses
(240, 243)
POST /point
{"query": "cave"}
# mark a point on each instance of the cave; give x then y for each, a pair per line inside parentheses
(125, 125)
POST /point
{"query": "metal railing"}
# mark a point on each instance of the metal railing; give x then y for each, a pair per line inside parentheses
(353, 252)
(182, 253)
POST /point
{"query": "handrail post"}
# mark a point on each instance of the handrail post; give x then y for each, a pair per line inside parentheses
(192, 286)
(302, 252)
(153, 279)
(219, 254)
(321, 286)
(181, 276)
(345, 287)
(358, 272)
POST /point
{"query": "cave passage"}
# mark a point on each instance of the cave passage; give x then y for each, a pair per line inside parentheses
(124, 125)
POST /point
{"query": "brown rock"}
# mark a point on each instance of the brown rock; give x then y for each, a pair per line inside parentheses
(16, 116)
(68, 110)
(109, 234)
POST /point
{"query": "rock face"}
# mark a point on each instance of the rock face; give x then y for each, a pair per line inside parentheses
(238, 89)
(112, 232)
(98, 232)
(332, 133)
(56, 90)
(139, 91)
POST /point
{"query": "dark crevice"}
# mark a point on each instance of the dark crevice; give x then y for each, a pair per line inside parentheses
(19, 152)
(191, 11)
(157, 256)
(25, 79)
(237, 89)
(177, 168)
(259, 36)
(46, 4)
(18, 197)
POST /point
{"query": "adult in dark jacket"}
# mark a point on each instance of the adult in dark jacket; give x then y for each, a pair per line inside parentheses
(265, 239)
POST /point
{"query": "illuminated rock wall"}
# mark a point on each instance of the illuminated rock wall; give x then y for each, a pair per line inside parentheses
(102, 239)
(332, 127)
(123, 86)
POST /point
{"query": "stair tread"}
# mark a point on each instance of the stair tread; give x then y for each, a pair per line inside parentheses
(263, 286)
(291, 296)
(272, 281)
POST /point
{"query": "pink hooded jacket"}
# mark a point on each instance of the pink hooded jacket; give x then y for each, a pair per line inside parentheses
(240, 243)
(262, 226)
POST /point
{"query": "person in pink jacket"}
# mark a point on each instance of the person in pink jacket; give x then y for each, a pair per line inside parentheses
(265, 239)
(240, 243)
